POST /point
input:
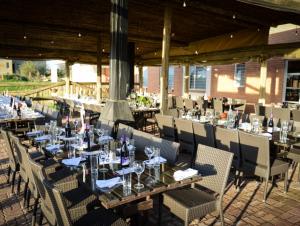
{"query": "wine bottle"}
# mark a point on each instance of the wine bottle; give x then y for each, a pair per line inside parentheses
(236, 120)
(87, 137)
(124, 152)
(68, 128)
(265, 122)
(271, 123)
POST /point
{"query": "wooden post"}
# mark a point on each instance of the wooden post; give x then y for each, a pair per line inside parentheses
(165, 60)
(186, 80)
(263, 81)
(67, 91)
(99, 71)
(141, 78)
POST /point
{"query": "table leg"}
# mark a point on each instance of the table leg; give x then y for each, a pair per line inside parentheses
(160, 203)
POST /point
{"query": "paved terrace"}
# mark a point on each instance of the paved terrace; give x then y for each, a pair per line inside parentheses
(240, 208)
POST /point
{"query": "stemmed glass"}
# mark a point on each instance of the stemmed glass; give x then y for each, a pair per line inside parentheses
(76, 125)
(139, 167)
(103, 157)
(149, 151)
(47, 127)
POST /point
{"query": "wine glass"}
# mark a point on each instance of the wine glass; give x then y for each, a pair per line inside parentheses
(139, 167)
(103, 157)
(149, 151)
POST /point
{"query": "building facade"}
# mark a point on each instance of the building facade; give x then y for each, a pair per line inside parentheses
(6, 67)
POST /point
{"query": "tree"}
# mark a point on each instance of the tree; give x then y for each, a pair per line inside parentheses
(28, 69)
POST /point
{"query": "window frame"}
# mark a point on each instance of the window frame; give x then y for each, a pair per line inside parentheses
(239, 81)
(193, 88)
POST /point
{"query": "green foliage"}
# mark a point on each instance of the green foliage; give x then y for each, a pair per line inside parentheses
(61, 73)
(14, 77)
(142, 100)
(28, 69)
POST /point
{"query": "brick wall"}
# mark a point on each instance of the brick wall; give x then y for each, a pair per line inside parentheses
(223, 84)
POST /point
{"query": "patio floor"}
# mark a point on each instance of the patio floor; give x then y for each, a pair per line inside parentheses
(241, 208)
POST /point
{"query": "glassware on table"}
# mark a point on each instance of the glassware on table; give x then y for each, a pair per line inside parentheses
(103, 156)
(157, 156)
(71, 150)
(139, 167)
(127, 180)
(255, 125)
(47, 127)
(149, 151)
(284, 131)
(94, 162)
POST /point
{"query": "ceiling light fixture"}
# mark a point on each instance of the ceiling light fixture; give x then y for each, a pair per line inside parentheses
(184, 4)
(234, 16)
(196, 52)
(103, 50)
(231, 36)
(79, 35)
(52, 42)
(25, 37)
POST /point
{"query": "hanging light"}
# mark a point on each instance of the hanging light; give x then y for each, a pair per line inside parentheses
(25, 37)
(79, 35)
(184, 4)
(234, 16)
(231, 36)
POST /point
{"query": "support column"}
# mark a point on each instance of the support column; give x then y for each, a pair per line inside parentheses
(165, 60)
(186, 80)
(141, 78)
(117, 108)
(131, 56)
(67, 65)
(99, 71)
(263, 81)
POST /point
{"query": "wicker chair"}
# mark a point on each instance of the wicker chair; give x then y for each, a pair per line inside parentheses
(166, 126)
(13, 166)
(168, 149)
(218, 105)
(189, 104)
(79, 215)
(284, 114)
(179, 102)
(228, 140)
(296, 115)
(185, 135)
(141, 139)
(191, 203)
(256, 159)
(124, 130)
(204, 134)
(106, 125)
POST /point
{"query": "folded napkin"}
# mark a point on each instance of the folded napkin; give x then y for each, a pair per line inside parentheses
(130, 147)
(125, 171)
(184, 174)
(53, 148)
(155, 160)
(42, 138)
(105, 138)
(72, 161)
(34, 133)
(108, 183)
(110, 161)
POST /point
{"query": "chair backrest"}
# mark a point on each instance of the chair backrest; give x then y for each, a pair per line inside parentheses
(172, 112)
(179, 102)
(268, 111)
(166, 126)
(59, 206)
(107, 125)
(296, 126)
(214, 166)
(9, 149)
(218, 105)
(168, 149)
(296, 115)
(255, 151)
(170, 102)
(185, 134)
(141, 139)
(124, 130)
(228, 140)
(47, 200)
(204, 134)
(284, 114)
(189, 103)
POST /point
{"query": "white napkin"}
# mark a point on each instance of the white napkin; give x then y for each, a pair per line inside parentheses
(42, 138)
(72, 161)
(125, 171)
(34, 133)
(155, 160)
(130, 147)
(184, 174)
(108, 183)
(110, 161)
(105, 138)
(53, 148)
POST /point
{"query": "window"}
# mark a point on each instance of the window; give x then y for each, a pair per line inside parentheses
(197, 77)
(7, 65)
(171, 78)
(145, 78)
(239, 75)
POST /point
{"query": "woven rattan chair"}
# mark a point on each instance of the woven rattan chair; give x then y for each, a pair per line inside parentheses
(13, 166)
(268, 111)
(191, 203)
(189, 104)
(185, 135)
(141, 139)
(179, 102)
(228, 140)
(166, 126)
(168, 149)
(218, 105)
(172, 112)
(256, 159)
(106, 125)
(204, 134)
(296, 115)
(79, 215)
(124, 130)
(284, 114)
